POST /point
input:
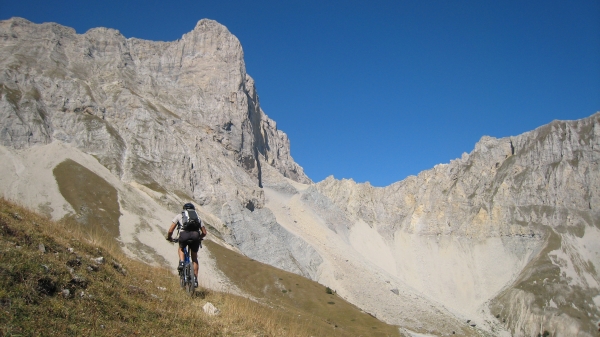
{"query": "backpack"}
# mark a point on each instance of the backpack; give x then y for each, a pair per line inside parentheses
(190, 220)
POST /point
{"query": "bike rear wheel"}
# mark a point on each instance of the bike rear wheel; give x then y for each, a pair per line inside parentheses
(189, 286)
(182, 278)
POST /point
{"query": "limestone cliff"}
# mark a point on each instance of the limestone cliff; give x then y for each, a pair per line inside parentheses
(182, 115)
(538, 193)
(504, 187)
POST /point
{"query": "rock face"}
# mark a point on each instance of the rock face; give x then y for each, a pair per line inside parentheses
(260, 237)
(533, 200)
(506, 238)
(495, 191)
(183, 115)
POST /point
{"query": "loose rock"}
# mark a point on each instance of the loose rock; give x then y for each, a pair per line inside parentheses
(98, 260)
(210, 309)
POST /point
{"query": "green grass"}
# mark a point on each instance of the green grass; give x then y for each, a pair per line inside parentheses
(108, 299)
(94, 200)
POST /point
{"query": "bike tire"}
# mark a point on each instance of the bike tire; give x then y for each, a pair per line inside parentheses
(189, 287)
(182, 279)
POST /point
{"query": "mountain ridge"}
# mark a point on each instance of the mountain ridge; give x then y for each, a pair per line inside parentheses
(501, 237)
(127, 70)
(527, 191)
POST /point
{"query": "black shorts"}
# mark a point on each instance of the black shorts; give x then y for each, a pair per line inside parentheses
(190, 239)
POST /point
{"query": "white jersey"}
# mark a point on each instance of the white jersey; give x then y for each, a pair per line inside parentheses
(178, 219)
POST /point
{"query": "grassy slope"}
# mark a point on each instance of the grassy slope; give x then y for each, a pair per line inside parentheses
(297, 298)
(108, 299)
(121, 297)
(95, 200)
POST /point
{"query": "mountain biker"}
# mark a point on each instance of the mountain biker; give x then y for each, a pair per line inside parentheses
(184, 235)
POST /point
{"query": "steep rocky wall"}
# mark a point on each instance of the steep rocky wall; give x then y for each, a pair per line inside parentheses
(180, 115)
(511, 224)
(501, 188)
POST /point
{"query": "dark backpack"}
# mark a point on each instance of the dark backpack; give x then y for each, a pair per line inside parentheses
(190, 220)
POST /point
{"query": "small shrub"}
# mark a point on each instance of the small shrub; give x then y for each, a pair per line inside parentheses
(328, 290)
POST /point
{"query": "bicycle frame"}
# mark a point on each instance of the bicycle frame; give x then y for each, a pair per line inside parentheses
(187, 274)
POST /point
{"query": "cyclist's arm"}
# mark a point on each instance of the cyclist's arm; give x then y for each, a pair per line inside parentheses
(203, 230)
(171, 229)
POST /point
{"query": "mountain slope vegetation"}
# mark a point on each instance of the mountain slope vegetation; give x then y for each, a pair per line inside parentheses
(59, 278)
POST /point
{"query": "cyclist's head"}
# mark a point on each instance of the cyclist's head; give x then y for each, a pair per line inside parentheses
(189, 206)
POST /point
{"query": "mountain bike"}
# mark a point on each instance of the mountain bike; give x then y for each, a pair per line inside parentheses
(186, 275)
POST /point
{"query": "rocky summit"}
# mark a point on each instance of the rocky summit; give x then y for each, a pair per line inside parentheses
(153, 112)
(117, 133)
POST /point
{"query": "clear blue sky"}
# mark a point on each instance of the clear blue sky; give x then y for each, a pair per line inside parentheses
(379, 90)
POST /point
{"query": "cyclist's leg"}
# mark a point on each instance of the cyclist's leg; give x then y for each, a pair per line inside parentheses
(195, 261)
(182, 243)
(181, 255)
(194, 246)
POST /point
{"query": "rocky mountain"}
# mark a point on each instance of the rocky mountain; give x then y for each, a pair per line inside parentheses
(181, 118)
(144, 109)
(118, 132)
(513, 226)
